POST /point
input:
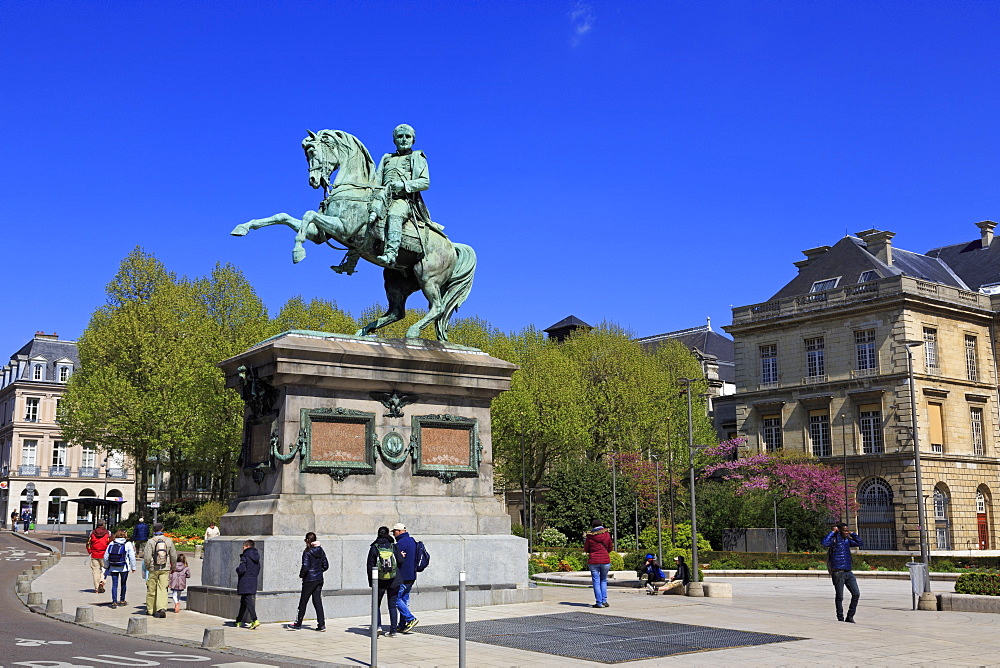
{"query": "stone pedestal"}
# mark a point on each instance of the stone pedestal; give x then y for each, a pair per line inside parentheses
(346, 434)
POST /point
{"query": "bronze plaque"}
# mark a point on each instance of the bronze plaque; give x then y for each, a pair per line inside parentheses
(260, 443)
(338, 441)
(444, 446)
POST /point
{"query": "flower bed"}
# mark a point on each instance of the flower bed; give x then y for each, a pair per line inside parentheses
(983, 584)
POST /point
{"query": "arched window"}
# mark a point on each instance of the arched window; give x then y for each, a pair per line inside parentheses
(85, 514)
(984, 517)
(876, 517)
(58, 500)
(942, 528)
(980, 502)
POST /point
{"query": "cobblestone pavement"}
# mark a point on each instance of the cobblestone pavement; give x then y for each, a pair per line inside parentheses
(887, 632)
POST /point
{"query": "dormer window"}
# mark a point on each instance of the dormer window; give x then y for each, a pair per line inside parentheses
(870, 275)
(38, 372)
(63, 374)
(825, 284)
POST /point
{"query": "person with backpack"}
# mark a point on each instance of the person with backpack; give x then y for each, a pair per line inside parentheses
(413, 558)
(384, 556)
(97, 545)
(159, 558)
(119, 559)
(178, 581)
(140, 534)
(314, 564)
(246, 585)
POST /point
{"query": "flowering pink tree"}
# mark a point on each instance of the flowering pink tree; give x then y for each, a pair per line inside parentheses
(797, 476)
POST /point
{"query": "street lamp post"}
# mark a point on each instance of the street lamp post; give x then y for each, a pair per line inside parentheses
(659, 515)
(614, 499)
(927, 599)
(694, 588)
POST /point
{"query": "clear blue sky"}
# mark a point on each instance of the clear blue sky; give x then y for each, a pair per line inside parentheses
(646, 163)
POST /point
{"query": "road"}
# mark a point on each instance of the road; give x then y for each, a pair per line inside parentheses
(29, 639)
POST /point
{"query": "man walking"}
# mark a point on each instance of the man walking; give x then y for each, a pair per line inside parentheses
(839, 542)
(159, 558)
(140, 535)
(97, 544)
(406, 575)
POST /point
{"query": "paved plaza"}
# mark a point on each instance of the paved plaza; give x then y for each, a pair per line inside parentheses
(887, 632)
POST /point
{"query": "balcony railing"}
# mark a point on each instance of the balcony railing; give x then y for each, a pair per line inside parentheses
(88, 472)
(29, 469)
(861, 292)
(117, 473)
(813, 380)
(60, 471)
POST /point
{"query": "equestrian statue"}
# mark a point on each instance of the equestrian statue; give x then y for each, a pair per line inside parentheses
(378, 213)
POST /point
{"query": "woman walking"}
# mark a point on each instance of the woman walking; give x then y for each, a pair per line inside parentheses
(119, 559)
(598, 544)
(314, 564)
(178, 580)
(384, 556)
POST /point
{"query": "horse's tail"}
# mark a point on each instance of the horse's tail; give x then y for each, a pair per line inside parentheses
(458, 287)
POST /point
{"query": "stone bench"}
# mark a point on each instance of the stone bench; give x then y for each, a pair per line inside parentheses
(950, 602)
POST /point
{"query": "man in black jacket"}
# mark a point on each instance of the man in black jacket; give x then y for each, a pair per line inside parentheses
(246, 585)
(383, 555)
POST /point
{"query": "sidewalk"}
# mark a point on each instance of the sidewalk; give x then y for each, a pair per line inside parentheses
(887, 632)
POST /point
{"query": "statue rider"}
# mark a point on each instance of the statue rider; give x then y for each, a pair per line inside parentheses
(404, 175)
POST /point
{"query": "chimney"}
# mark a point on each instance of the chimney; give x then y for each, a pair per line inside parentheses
(812, 255)
(986, 227)
(42, 335)
(879, 244)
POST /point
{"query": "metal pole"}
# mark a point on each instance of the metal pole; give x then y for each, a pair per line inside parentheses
(530, 528)
(921, 511)
(637, 524)
(374, 629)
(524, 494)
(156, 489)
(776, 526)
(670, 483)
(614, 500)
(843, 437)
(461, 619)
(659, 518)
(63, 550)
(694, 507)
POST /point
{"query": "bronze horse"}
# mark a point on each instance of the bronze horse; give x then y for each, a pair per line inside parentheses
(442, 270)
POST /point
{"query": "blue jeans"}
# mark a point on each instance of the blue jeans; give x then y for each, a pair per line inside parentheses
(114, 585)
(599, 576)
(843, 579)
(403, 602)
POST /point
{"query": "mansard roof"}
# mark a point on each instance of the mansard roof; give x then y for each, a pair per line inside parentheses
(49, 348)
(703, 339)
(976, 264)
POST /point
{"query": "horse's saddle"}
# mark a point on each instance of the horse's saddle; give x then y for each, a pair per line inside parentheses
(412, 234)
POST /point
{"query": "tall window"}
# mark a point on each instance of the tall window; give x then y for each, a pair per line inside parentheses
(930, 348)
(936, 419)
(31, 409)
(941, 529)
(771, 432)
(971, 358)
(63, 374)
(89, 459)
(940, 505)
(769, 364)
(819, 433)
(59, 453)
(876, 516)
(864, 348)
(37, 372)
(871, 429)
(980, 502)
(815, 364)
(29, 450)
(976, 417)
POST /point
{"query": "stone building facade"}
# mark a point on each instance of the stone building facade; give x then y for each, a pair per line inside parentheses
(821, 367)
(32, 449)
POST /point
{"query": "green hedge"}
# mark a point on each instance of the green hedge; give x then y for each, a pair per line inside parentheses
(986, 584)
(719, 560)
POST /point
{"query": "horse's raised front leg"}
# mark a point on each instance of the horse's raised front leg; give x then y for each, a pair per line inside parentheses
(257, 223)
(397, 288)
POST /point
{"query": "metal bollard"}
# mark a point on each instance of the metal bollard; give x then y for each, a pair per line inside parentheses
(461, 619)
(374, 653)
(63, 550)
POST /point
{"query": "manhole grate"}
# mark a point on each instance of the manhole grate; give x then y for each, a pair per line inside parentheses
(603, 638)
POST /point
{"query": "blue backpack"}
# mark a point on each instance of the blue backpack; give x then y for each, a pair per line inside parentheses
(116, 554)
(423, 558)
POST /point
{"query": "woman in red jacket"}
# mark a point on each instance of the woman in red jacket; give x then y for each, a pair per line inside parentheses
(598, 544)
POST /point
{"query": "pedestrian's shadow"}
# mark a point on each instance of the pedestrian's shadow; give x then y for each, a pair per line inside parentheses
(576, 605)
(360, 630)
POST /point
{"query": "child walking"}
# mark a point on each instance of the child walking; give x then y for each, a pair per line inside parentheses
(178, 580)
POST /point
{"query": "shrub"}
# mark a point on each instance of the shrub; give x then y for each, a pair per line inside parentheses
(617, 563)
(633, 560)
(553, 537)
(209, 513)
(574, 562)
(984, 584)
(536, 565)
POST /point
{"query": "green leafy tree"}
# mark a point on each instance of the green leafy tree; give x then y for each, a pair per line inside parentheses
(578, 492)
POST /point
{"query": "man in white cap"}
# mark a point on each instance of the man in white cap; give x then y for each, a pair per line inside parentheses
(407, 548)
